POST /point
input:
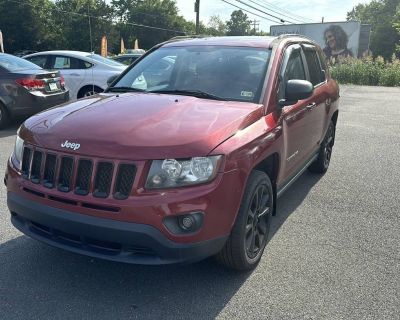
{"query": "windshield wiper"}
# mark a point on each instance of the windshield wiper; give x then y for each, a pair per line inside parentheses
(193, 93)
(124, 89)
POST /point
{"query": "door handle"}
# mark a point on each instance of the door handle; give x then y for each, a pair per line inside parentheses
(311, 106)
(75, 74)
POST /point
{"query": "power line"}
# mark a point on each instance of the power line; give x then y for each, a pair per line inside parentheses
(282, 14)
(268, 14)
(255, 14)
(285, 11)
(105, 19)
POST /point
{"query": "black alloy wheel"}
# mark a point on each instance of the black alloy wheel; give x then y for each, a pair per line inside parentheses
(249, 235)
(321, 164)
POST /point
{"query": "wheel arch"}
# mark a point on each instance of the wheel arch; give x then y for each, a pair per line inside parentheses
(270, 166)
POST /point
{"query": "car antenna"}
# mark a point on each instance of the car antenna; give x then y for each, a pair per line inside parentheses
(91, 44)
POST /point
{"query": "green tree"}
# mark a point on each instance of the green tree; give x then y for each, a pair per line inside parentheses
(381, 14)
(216, 26)
(238, 25)
(162, 14)
(28, 25)
(73, 18)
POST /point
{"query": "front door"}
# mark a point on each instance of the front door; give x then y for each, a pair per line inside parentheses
(296, 119)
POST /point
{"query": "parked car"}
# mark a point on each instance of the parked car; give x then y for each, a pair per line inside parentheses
(189, 167)
(85, 73)
(26, 89)
(128, 58)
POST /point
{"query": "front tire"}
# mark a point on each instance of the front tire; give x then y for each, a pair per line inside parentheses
(321, 164)
(246, 243)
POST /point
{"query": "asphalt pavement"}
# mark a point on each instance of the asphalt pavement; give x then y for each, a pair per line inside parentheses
(333, 252)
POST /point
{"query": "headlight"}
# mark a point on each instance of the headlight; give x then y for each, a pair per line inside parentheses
(18, 150)
(172, 173)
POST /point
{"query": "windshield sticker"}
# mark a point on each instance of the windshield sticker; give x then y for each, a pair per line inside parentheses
(248, 94)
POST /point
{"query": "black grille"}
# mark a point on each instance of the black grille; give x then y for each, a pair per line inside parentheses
(103, 179)
(49, 171)
(36, 167)
(89, 177)
(65, 175)
(26, 162)
(82, 184)
(125, 177)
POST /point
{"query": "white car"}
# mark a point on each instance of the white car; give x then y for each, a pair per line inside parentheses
(85, 73)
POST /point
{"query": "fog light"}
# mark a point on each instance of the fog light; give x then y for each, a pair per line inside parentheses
(187, 222)
(184, 224)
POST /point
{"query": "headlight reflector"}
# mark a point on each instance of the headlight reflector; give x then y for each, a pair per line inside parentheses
(170, 173)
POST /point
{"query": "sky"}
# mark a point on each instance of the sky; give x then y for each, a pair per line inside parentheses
(314, 10)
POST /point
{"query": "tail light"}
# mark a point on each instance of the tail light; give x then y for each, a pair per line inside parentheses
(62, 82)
(31, 84)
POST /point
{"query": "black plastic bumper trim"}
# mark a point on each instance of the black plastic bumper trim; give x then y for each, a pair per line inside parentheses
(27, 213)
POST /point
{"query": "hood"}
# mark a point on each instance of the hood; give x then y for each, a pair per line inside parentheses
(139, 126)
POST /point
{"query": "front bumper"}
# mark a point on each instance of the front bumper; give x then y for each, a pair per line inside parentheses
(104, 238)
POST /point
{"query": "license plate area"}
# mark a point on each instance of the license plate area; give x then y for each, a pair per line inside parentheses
(53, 86)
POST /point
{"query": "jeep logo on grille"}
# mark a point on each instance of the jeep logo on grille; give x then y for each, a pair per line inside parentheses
(70, 145)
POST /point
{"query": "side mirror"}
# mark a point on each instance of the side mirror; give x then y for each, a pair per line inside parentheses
(296, 90)
(111, 79)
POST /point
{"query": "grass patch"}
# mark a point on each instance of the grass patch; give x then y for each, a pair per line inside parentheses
(367, 71)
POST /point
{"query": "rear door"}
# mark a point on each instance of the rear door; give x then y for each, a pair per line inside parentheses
(318, 110)
(297, 122)
(72, 69)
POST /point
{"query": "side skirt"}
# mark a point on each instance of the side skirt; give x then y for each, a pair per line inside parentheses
(282, 189)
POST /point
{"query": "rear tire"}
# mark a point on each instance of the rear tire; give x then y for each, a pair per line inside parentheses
(249, 235)
(4, 117)
(321, 164)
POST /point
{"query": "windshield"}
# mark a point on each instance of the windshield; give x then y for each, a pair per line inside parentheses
(13, 64)
(110, 62)
(229, 73)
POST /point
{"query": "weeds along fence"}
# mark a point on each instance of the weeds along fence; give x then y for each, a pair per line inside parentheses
(367, 71)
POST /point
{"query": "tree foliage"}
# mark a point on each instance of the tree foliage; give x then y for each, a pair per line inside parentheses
(239, 24)
(384, 17)
(80, 24)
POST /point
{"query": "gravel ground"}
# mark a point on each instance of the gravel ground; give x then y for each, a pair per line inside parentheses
(333, 252)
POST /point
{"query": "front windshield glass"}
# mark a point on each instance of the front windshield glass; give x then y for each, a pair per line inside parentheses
(13, 64)
(231, 73)
(110, 62)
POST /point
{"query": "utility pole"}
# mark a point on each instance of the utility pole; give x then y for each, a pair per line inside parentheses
(197, 10)
(322, 19)
(256, 25)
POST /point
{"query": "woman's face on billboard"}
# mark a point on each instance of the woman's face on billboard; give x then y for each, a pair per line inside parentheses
(330, 40)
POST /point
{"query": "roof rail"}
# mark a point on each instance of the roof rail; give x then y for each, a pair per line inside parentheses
(181, 38)
(287, 35)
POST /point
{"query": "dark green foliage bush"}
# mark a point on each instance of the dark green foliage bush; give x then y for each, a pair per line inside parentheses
(367, 71)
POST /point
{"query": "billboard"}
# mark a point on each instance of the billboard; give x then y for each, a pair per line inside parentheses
(336, 38)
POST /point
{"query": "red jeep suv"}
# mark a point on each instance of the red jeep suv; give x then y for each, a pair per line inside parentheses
(183, 156)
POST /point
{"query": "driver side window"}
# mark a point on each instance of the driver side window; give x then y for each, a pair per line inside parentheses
(294, 70)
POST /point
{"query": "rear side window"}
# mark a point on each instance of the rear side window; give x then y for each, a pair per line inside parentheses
(314, 67)
(63, 62)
